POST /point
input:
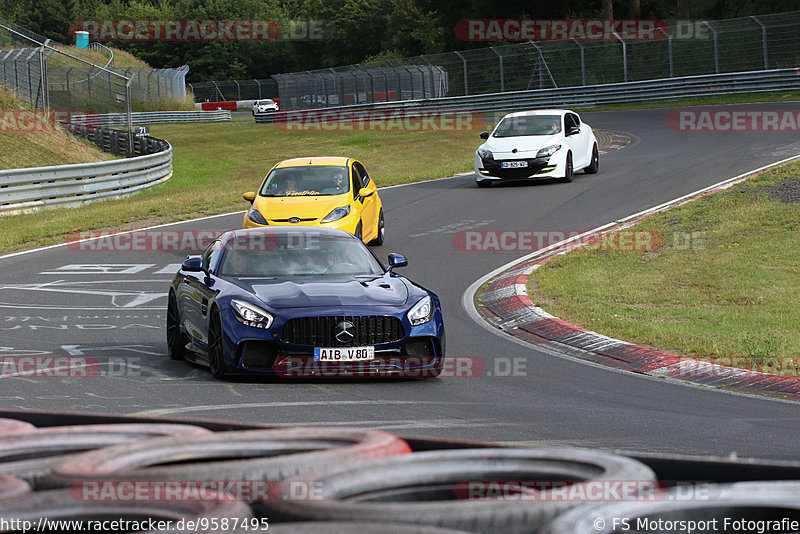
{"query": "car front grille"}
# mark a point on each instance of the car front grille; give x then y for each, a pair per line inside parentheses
(322, 331)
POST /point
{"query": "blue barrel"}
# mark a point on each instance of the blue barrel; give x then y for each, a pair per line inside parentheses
(82, 39)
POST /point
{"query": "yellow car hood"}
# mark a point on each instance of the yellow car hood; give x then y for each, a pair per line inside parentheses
(302, 207)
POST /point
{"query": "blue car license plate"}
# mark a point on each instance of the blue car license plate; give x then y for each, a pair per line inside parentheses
(344, 354)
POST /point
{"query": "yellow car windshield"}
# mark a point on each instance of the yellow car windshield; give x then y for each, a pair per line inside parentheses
(311, 180)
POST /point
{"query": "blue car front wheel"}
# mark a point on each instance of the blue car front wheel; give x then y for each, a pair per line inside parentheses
(216, 359)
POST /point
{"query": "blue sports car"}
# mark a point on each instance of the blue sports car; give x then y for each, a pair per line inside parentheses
(302, 302)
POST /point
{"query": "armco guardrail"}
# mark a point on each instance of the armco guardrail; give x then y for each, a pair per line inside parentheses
(582, 96)
(150, 117)
(23, 189)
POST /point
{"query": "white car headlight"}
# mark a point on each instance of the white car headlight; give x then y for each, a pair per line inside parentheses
(485, 153)
(250, 314)
(548, 151)
(422, 312)
(336, 214)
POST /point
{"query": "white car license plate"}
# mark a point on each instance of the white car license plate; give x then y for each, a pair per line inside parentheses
(513, 164)
(344, 354)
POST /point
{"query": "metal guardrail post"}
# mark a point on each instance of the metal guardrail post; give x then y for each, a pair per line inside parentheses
(259, 88)
(466, 83)
(716, 46)
(238, 90)
(763, 40)
(502, 81)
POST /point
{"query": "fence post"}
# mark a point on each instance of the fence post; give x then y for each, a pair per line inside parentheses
(716, 46)
(466, 83)
(624, 56)
(238, 90)
(502, 82)
(583, 62)
(429, 76)
(43, 67)
(259, 88)
(763, 40)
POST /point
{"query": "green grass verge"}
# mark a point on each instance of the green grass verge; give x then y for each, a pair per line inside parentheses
(724, 287)
(215, 163)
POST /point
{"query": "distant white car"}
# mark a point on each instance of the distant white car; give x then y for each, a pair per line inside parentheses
(530, 145)
(264, 106)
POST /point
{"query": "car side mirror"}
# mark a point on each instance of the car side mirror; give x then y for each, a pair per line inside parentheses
(192, 264)
(397, 260)
(250, 196)
(574, 130)
(364, 192)
(484, 135)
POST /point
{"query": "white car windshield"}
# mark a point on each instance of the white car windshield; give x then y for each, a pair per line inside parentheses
(528, 125)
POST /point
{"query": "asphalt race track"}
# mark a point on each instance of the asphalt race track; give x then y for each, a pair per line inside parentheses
(110, 307)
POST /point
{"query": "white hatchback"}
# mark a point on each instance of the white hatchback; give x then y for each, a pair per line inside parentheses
(530, 145)
(264, 106)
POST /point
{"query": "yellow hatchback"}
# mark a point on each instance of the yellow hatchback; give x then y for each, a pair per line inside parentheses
(333, 192)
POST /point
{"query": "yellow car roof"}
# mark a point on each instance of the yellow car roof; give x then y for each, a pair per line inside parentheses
(320, 160)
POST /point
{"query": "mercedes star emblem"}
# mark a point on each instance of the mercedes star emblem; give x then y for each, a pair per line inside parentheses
(344, 332)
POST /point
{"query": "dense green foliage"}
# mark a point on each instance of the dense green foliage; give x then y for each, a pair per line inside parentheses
(355, 29)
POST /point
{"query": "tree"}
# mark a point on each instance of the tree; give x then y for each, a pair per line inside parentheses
(683, 9)
(608, 9)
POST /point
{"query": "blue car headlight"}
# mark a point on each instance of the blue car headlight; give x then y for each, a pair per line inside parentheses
(250, 314)
(255, 216)
(548, 151)
(422, 312)
(336, 214)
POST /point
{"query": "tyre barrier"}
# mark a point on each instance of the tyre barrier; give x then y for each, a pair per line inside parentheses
(265, 455)
(356, 527)
(11, 486)
(32, 455)
(429, 488)
(57, 505)
(365, 480)
(737, 507)
(14, 426)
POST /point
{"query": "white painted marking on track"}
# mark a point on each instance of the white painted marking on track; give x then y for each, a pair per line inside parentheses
(171, 268)
(100, 268)
(287, 404)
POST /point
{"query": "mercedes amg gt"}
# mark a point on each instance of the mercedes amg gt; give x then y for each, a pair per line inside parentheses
(302, 302)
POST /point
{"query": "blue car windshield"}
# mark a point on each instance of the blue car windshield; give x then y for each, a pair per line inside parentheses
(528, 125)
(309, 180)
(287, 254)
